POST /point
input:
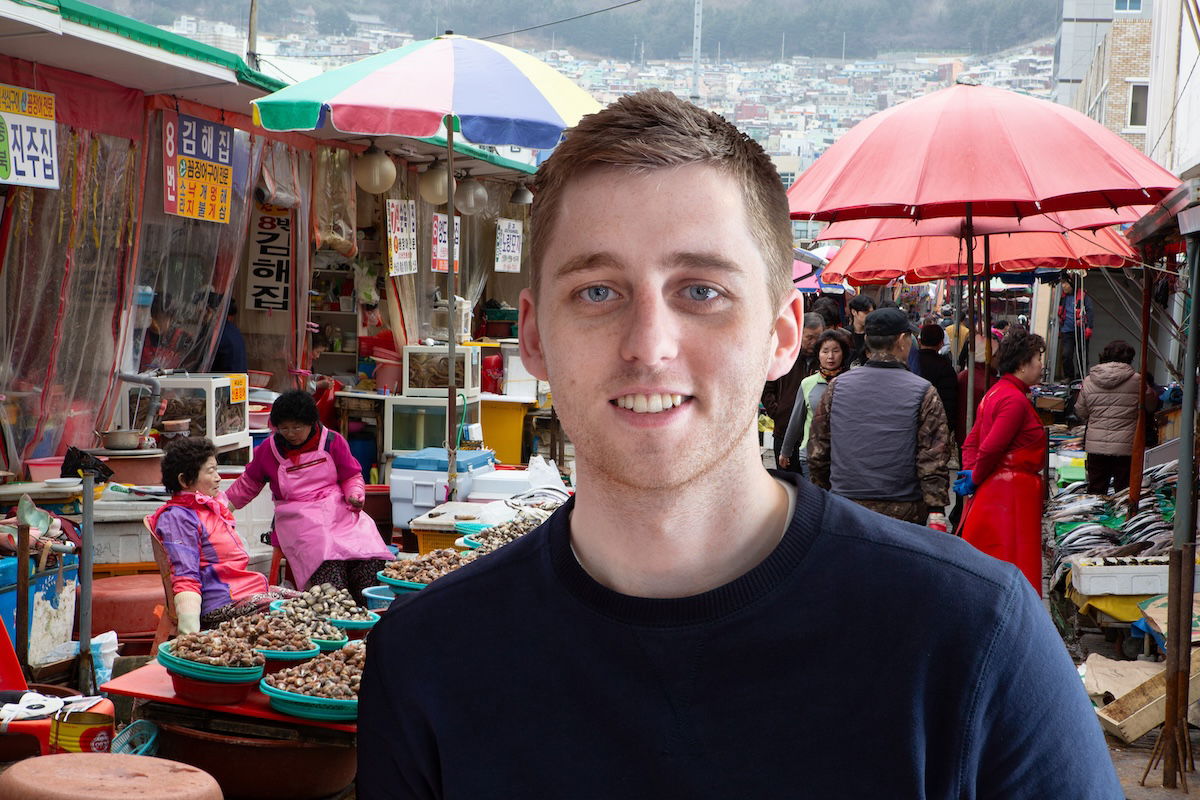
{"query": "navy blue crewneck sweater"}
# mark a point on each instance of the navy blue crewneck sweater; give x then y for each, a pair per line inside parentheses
(864, 657)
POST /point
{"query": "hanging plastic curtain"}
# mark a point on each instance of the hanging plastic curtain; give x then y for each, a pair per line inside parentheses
(190, 264)
(64, 272)
(276, 340)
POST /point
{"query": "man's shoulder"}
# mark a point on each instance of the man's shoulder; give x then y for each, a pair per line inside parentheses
(899, 555)
(501, 577)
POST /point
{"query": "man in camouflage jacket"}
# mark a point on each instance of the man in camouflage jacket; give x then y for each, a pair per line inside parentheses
(879, 434)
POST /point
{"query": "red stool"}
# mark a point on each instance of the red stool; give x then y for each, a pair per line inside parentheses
(126, 604)
(105, 776)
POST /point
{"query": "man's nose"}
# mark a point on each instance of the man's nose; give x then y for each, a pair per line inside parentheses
(651, 333)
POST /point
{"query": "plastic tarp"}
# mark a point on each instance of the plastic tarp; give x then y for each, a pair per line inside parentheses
(276, 341)
(190, 264)
(63, 280)
(334, 210)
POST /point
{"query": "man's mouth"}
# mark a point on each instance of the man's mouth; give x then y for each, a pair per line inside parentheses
(650, 403)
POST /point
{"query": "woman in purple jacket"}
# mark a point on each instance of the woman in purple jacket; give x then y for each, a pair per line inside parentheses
(319, 492)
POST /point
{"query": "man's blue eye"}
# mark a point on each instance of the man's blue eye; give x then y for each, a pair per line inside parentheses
(702, 294)
(597, 294)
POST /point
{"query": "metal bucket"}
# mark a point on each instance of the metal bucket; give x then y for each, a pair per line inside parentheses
(80, 732)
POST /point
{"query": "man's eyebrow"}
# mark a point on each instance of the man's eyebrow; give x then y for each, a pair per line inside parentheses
(705, 261)
(583, 263)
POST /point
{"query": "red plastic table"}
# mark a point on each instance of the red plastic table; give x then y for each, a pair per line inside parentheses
(153, 682)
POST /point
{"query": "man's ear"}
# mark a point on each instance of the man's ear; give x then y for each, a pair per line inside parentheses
(530, 338)
(785, 336)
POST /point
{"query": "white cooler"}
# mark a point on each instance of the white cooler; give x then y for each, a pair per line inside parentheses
(419, 480)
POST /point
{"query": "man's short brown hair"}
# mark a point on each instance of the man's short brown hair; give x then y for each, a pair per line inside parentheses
(655, 130)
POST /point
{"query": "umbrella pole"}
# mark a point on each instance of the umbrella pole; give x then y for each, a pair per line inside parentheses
(451, 314)
(970, 234)
(1179, 603)
(1138, 462)
(987, 306)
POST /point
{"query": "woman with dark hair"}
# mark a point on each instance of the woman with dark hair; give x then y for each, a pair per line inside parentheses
(319, 493)
(833, 358)
(209, 566)
(1002, 462)
(1108, 403)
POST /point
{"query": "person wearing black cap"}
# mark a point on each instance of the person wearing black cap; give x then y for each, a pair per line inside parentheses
(938, 370)
(879, 434)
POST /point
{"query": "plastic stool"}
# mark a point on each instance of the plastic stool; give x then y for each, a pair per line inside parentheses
(126, 603)
(105, 776)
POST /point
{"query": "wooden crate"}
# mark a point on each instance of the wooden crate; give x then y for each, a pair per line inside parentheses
(1135, 714)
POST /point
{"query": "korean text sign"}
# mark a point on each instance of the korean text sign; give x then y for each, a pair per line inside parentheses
(197, 168)
(441, 243)
(402, 237)
(28, 141)
(268, 287)
(508, 245)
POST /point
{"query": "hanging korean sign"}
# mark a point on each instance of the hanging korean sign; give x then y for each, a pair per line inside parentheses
(28, 141)
(402, 237)
(508, 245)
(197, 167)
(441, 244)
(268, 286)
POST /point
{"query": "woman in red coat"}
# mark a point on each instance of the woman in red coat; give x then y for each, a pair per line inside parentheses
(1002, 461)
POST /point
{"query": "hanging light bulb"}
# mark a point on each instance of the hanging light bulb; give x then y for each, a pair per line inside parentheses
(521, 196)
(374, 172)
(433, 184)
(470, 196)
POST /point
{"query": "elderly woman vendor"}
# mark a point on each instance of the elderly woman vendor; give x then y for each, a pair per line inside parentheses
(209, 564)
(319, 492)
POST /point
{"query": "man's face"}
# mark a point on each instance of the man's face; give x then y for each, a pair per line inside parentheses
(809, 338)
(859, 318)
(654, 324)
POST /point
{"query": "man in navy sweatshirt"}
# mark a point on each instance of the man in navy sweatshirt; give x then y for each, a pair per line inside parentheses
(691, 625)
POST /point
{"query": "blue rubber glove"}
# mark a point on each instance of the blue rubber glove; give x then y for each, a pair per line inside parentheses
(964, 485)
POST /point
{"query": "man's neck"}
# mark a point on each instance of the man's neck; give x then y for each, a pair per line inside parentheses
(858, 326)
(682, 541)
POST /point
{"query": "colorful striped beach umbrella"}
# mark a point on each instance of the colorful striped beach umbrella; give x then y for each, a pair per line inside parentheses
(493, 94)
(498, 95)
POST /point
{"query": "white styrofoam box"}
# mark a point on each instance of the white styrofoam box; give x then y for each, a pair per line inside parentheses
(1121, 580)
(415, 491)
(498, 484)
(517, 379)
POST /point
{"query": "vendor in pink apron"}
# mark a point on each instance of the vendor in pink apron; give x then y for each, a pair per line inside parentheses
(319, 492)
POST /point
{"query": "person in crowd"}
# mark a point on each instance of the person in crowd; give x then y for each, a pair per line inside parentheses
(1002, 462)
(671, 604)
(833, 355)
(779, 396)
(879, 434)
(985, 376)
(828, 308)
(319, 493)
(1000, 328)
(1075, 319)
(231, 347)
(1110, 401)
(860, 306)
(937, 369)
(956, 337)
(210, 573)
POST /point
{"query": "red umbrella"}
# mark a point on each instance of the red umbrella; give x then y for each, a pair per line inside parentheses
(975, 149)
(931, 257)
